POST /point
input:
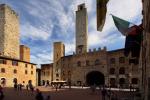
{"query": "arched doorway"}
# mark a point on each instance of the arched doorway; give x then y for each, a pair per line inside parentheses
(95, 77)
(3, 82)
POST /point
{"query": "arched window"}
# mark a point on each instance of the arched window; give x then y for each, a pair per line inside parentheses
(57, 75)
(15, 63)
(15, 71)
(87, 63)
(69, 72)
(121, 60)
(112, 82)
(121, 81)
(3, 61)
(112, 61)
(63, 73)
(3, 81)
(122, 70)
(31, 72)
(97, 62)
(134, 80)
(3, 70)
(112, 71)
(79, 63)
(26, 72)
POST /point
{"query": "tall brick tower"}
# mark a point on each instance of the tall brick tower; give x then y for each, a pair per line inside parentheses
(59, 51)
(24, 53)
(9, 32)
(81, 29)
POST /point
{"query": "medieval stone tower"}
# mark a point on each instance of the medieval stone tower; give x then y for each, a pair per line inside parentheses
(24, 53)
(9, 32)
(59, 51)
(81, 29)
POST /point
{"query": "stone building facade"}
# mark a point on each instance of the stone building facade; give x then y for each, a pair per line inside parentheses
(122, 70)
(9, 29)
(11, 69)
(15, 63)
(46, 74)
(111, 68)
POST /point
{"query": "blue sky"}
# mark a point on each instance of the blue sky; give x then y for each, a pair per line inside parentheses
(43, 22)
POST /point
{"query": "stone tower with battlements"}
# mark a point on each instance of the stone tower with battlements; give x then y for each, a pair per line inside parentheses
(59, 51)
(81, 29)
(9, 32)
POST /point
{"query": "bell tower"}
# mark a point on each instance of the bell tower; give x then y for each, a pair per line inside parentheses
(59, 51)
(81, 29)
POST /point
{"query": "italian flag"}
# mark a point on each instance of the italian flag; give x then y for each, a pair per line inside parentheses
(133, 35)
(122, 25)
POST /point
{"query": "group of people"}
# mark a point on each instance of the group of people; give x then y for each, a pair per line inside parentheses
(38, 96)
(18, 86)
(105, 93)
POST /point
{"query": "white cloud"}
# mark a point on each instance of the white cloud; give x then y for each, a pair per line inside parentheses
(42, 58)
(69, 48)
(32, 32)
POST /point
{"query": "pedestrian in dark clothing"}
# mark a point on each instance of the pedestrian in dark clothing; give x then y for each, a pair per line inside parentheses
(20, 86)
(48, 97)
(27, 87)
(109, 93)
(1, 93)
(56, 87)
(103, 93)
(39, 95)
(31, 87)
(15, 86)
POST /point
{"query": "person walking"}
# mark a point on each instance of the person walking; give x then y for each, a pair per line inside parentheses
(15, 86)
(56, 86)
(31, 87)
(1, 93)
(39, 95)
(103, 94)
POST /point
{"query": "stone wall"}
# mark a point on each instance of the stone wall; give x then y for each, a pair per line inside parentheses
(70, 70)
(46, 73)
(121, 61)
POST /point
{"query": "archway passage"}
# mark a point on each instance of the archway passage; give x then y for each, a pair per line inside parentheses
(95, 77)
